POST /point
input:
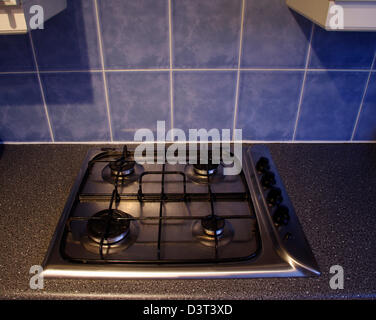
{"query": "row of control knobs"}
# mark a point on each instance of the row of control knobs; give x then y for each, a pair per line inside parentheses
(274, 197)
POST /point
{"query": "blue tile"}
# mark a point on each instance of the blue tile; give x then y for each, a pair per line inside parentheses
(77, 106)
(206, 33)
(367, 122)
(69, 40)
(342, 50)
(330, 105)
(22, 116)
(135, 34)
(204, 100)
(268, 104)
(138, 100)
(274, 36)
(16, 53)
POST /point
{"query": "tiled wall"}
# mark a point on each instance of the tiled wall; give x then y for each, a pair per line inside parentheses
(104, 68)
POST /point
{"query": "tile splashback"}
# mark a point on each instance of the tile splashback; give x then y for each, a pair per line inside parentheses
(102, 69)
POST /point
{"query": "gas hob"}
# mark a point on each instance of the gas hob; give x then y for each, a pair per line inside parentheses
(124, 219)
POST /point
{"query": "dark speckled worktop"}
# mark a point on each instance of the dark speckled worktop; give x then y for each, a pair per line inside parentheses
(332, 187)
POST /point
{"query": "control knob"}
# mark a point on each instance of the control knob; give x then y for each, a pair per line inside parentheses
(262, 165)
(281, 216)
(268, 179)
(274, 197)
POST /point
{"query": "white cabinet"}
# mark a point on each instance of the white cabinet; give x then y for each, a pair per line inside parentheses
(337, 15)
(15, 15)
(12, 17)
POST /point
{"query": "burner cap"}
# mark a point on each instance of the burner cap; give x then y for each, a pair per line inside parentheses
(117, 229)
(213, 225)
(122, 167)
(205, 169)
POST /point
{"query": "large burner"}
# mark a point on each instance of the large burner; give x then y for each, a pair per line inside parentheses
(105, 224)
(213, 225)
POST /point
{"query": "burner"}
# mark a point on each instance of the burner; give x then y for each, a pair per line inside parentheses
(122, 168)
(205, 169)
(213, 225)
(117, 229)
(212, 232)
(130, 171)
(199, 173)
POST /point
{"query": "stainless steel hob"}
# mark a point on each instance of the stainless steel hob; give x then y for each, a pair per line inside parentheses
(129, 220)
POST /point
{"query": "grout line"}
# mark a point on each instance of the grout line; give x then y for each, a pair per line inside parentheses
(241, 141)
(103, 70)
(171, 65)
(272, 69)
(203, 69)
(363, 98)
(185, 70)
(337, 70)
(71, 71)
(303, 82)
(238, 71)
(18, 72)
(41, 87)
(136, 70)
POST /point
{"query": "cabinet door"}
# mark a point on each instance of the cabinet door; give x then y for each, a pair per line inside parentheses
(16, 14)
(8, 2)
(355, 15)
(12, 18)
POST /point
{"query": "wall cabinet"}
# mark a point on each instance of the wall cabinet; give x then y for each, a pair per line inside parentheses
(354, 15)
(15, 15)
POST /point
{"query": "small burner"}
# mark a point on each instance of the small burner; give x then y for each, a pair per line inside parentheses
(122, 168)
(205, 169)
(213, 225)
(199, 173)
(117, 229)
(130, 171)
(211, 235)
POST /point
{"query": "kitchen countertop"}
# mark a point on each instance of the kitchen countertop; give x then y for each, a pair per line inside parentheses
(332, 187)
